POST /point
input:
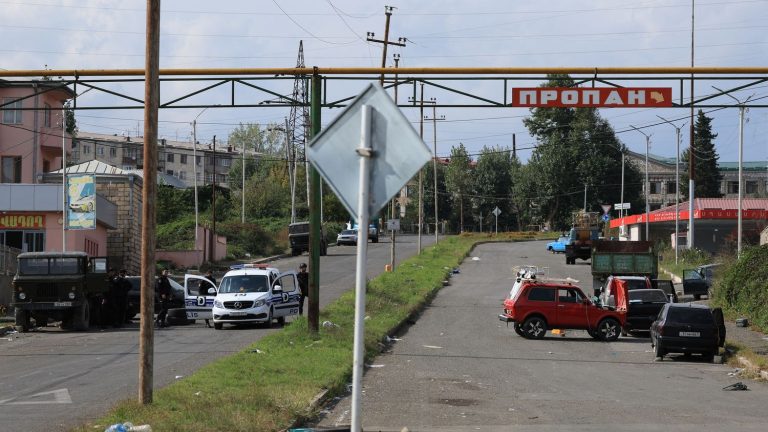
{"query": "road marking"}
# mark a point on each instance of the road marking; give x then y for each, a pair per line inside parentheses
(60, 396)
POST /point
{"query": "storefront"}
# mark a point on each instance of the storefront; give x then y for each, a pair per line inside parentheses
(25, 232)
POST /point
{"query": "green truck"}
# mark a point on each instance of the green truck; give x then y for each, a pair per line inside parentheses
(62, 286)
(298, 237)
(625, 258)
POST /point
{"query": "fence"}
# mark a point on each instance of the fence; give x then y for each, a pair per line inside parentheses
(8, 260)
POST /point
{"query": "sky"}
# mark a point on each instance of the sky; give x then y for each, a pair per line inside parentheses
(110, 34)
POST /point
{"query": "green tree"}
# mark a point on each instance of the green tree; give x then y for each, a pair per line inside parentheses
(444, 207)
(458, 178)
(492, 180)
(707, 174)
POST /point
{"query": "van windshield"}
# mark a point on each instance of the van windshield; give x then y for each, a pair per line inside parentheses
(244, 284)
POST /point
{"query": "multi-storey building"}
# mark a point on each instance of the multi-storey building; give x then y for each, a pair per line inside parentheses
(179, 159)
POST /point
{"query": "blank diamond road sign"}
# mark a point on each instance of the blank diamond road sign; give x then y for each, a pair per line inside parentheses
(399, 153)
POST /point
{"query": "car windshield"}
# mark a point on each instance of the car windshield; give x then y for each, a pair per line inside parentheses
(348, 232)
(647, 296)
(244, 283)
(688, 315)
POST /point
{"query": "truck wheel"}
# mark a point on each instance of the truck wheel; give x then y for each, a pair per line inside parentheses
(697, 296)
(609, 329)
(534, 328)
(81, 317)
(22, 320)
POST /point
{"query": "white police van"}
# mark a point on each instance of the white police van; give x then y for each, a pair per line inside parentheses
(199, 293)
(255, 293)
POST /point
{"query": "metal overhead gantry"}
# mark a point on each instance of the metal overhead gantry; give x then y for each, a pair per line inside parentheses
(330, 88)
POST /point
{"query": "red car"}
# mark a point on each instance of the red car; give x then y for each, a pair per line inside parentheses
(542, 305)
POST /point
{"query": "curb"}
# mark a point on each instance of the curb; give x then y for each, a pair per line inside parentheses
(270, 259)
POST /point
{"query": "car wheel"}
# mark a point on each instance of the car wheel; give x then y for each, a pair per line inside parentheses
(519, 329)
(658, 351)
(593, 333)
(218, 326)
(534, 328)
(609, 329)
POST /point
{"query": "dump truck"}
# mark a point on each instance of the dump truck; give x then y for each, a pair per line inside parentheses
(585, 230)
(622, 258)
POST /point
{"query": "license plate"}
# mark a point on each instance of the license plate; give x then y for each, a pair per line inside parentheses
(237, 313)
(690, 334)
(191, 315)
(62, 304)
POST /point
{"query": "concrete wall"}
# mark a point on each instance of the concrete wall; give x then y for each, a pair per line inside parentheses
(124, 242)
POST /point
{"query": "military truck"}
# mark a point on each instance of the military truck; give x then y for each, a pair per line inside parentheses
(585, 230)
(298, 237)
(63, 286)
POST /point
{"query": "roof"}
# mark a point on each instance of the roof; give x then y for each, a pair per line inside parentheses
(703, 208)
(162, 178)
(97, 167)
(689, 305)
(73, 254)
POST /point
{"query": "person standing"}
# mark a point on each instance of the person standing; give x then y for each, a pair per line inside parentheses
(164, 290)
(106, 311)
(303, 278)
(121, 301)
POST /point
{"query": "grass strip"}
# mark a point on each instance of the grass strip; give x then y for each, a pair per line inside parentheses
(269, 385)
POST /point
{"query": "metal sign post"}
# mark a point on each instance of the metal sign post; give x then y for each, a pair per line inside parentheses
(496, 213)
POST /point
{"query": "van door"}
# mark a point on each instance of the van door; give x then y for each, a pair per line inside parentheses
(199, 293)
(286, 299)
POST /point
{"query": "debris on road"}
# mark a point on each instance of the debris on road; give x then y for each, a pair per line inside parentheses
(475, 258)
(433, 347)
(742, 322)
(736, 387)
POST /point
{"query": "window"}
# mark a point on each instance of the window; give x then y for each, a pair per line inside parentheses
(100, 150)
(112, 152)
(209, 178)
(565, 295)
(199, 160)
(541, 294)
(47, 115)
(750, 187)
(10, 169)
(182, 175)
(169, 157)
(671, 187)
(169, 172)
(11, 111)
(183, 159)
(225, 162)
(655, 188)
(199, 176)
(34, 241)
(732, 187)
(86, 149)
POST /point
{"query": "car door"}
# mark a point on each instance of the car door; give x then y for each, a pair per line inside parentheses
(570, 308)
(198, 303)
(693, 282)
(286, 295)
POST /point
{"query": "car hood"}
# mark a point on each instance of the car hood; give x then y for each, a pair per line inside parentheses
(242, 296)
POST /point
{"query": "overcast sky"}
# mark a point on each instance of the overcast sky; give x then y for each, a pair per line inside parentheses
(108, 34)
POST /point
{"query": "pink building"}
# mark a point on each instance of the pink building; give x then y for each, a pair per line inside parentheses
(31, 132)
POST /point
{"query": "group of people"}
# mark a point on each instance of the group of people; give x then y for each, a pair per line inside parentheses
(114, 306)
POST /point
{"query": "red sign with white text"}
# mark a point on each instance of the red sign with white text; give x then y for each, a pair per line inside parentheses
(601, 97)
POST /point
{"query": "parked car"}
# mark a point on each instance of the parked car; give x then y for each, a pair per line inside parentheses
(134, 296)
(698, 281)
(607, 296)
(688, 328)
(542, 305)
(667, 286)
(347, 237)
(558, 246)
(643, 308)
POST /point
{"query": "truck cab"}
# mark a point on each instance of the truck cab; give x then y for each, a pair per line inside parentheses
(63, 286)
(298, 237)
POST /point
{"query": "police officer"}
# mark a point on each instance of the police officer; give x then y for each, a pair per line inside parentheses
(164, 290)
(303, 277)
(125, 286)
(116, 300)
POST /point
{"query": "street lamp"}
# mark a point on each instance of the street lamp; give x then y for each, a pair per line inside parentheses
(677, 183)
(194, 165)
(647, 185)
(742, 109)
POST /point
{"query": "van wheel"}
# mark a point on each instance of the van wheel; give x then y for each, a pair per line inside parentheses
(22, 320)
(281, 321)
(609, 329)
(697, 296)
(534, 328)
(81, 317)
(218, 326)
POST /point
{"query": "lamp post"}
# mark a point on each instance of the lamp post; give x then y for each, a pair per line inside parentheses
(677, 183)
(194, 165)
(434, 119)
(646, 184)
(742, 110)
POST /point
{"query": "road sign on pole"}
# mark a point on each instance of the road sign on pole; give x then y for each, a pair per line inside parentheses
(606, 208)
(621, 206)
(367, 154)
(497, 212)
(606, 218)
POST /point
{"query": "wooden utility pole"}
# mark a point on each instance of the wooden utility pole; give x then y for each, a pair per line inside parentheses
(385, 42)
(148, 195)
(213, 242)
(434, 120)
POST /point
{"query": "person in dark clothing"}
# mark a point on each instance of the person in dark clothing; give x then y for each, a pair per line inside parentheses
(125, 286)
(106, 314)
(303, 277)
(164, 290)
(209, 276)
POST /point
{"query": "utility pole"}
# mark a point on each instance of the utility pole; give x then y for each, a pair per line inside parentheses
(421, 102)
(148, 195)
(242, 191)
(385, 42)
(313, 313)
(677, 185)
(434, 119)
(212, 244)
(394, 206)
(692, 148)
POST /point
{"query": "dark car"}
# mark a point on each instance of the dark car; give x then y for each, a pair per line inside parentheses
(667, 286)
(698, 281)
(134, 296)
(643, 308)
(298, 237)
(688, 328)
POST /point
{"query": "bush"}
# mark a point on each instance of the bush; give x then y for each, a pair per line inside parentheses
(742, 286)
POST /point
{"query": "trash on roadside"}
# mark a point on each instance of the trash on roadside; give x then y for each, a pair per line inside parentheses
(735, 372)
(742, 322)
(374, 365)
(433, 347)
(328, 324)
(736, 386)
(475, 258)
(257, 351)
(128, 427)
(455, 270)
(179, 376)
(198, 393)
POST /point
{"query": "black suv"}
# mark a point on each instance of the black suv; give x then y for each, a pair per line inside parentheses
(688, 328)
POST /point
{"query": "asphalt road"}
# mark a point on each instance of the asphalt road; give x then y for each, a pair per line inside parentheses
(53, 380)
(459, 368)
